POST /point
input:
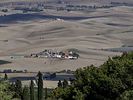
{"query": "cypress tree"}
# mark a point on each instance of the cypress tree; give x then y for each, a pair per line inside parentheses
(25, 94)
(40, 86)
(65, 83)
(46, 93)
(32, 90)
(59, 83)
(5, 77)
(18, 88)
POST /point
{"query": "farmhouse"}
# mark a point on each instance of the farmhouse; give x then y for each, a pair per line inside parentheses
(52, 54)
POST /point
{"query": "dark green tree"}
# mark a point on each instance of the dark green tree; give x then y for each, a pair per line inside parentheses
(78, 95)
(71, 81)
(46, 93)
(65, 83)
(18, 89)
(59, 83)
(12, 87)
(5, 93)
(25, 93)
(32, 93)
(127, 95)
(111, 81)
(40, 86)
(5, 77)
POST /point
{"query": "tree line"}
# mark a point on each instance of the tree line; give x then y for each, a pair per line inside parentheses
(112, 80)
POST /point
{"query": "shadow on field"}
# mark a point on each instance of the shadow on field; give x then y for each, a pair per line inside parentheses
(2, 62)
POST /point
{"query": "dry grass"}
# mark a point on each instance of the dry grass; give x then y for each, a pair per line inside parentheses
(108, 28)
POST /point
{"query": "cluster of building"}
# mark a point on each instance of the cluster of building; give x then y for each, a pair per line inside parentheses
(52, 54)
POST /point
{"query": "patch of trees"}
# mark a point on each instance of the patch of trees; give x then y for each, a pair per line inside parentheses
(5, 93)
(111, 81)
(15, 90)
(4, 10)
